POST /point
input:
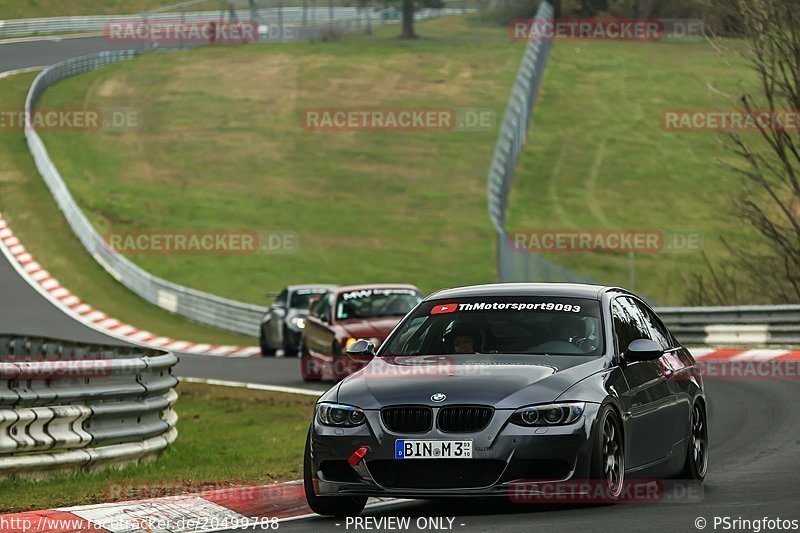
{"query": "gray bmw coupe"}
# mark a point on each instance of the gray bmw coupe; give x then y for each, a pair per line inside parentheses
(480, 390)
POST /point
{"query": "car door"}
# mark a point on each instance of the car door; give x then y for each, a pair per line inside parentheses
(650, 417)
(319, 333)
(673, 363)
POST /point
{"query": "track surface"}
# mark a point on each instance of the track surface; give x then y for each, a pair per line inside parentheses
(754, 426)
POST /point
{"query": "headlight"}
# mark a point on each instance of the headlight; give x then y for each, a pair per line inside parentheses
(298, 322)
(558, 414)
(334, 414)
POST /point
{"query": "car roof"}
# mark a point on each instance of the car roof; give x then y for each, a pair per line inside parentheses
(565, 290)
(292, 288)
(348, 288)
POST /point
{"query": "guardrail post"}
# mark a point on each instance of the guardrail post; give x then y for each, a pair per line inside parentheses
(183, 25)
(280, 19)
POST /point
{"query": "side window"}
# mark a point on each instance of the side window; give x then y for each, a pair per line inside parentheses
(654, 326)
(410, 339)
(628, 323)
(319, 308)
(280, 300)
(327, 305)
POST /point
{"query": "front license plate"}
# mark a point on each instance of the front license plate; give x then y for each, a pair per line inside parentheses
(433, 449)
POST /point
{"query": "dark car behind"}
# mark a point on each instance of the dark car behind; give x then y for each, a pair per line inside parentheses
(283, 324)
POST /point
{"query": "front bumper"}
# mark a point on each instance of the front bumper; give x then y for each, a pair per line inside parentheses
(506, 458)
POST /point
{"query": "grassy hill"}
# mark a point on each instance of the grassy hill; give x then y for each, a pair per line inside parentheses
(223, 147)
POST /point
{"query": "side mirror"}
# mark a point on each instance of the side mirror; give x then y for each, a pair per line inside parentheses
(361, 350)
(312, 302)
(643, 350)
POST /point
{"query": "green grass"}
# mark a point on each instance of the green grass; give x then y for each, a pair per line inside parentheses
(27, 204)
(226, 437)
(598, 158)
(222, 147)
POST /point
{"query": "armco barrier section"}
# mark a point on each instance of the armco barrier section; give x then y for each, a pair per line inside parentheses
(195, 305)
(513, 265)
(66, 406)
(308, 16)
(751, 325)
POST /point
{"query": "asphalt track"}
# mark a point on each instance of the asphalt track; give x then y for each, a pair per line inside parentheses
(754, 427)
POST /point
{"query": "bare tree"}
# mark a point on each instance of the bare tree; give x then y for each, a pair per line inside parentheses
(769, 162)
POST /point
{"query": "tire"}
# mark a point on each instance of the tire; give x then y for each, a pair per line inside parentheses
(266, 350)
(338, 506)
(289, 349)
(608, 455)
(696, 464)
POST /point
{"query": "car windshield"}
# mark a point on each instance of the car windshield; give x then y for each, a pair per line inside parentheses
(501, 325)
(302, 297)
(371, 303)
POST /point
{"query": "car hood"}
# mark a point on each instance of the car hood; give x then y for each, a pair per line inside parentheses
(505, 382)
(367, 328)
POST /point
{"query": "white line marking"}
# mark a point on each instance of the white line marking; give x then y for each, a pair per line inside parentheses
(254, 386)
(54, 38)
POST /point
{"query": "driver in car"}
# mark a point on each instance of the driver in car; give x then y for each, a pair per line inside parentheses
(464, 339)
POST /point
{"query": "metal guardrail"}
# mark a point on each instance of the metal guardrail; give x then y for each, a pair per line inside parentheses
(739, 325)
(308, 15)
(521, 265)
(195, 305)
(66, 405)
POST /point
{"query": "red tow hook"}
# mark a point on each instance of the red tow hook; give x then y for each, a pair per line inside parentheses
(358, 455)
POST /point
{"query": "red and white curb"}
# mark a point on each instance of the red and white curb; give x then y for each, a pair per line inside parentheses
(261, 507)
(742, 354)
(61, 297)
